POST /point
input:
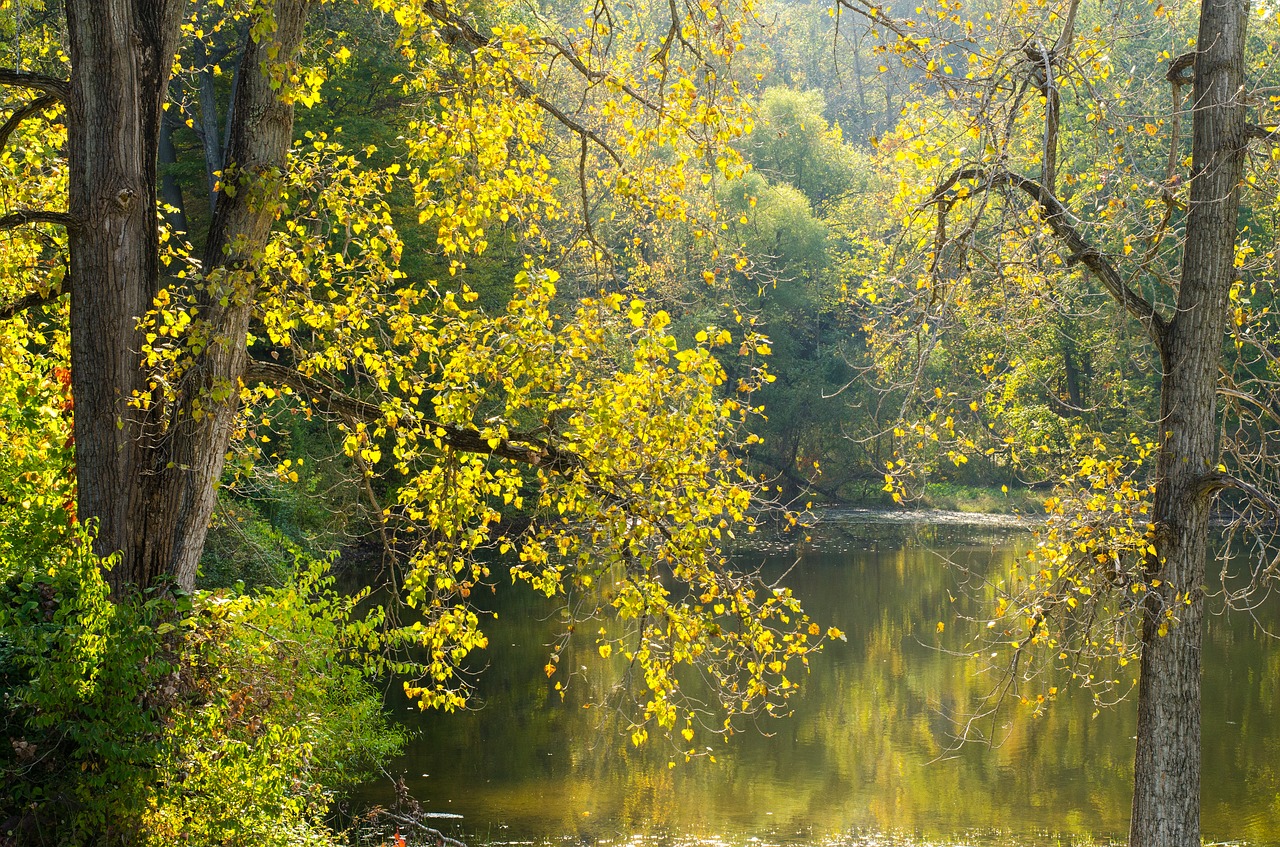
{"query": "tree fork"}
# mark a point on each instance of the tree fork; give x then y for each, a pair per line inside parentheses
(186, 466)
(146, 476)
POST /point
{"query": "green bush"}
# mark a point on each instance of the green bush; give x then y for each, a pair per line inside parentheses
(87, 684)
(225, 718)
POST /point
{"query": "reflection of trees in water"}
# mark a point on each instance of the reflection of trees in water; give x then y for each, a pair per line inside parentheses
(868, 745)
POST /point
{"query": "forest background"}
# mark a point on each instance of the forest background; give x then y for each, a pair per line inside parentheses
(590, 289)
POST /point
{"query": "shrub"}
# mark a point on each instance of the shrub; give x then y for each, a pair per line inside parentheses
(224, 718)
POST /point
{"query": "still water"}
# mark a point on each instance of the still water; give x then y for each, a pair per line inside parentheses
(867, 757)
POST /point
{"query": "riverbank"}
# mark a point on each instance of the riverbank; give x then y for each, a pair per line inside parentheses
(928, 516)
(949, 497)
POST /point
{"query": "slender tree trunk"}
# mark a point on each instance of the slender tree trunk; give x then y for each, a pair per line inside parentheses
(1071, 369)
(1166, 801)
(170, 188)
(866, 124)
(890, 111)
(210, 137)
(261, 134)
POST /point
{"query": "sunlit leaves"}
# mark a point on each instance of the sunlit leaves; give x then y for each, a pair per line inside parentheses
(570, 441)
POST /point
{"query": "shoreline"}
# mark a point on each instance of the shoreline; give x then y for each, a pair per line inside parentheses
(935, 517)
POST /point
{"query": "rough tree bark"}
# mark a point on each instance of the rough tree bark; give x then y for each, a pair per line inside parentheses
(121, 56)
(261, 133)
(1166, 799)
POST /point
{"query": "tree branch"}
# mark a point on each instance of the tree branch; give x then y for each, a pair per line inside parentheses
(28, 302)
(50, 85)
(1182, 69)
(569, 123)
(1043, 75)
(24, 217)
(1168, 196)
(466, 32)
(1060, 219)
(595, 76)
(876, 15)
(435, 836)
(35, 107)
(524, 448)
(516, 447)
(1262, 132)
(1063, 45)
(1212, 483)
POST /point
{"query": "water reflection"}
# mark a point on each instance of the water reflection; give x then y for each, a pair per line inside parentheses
(867, 756)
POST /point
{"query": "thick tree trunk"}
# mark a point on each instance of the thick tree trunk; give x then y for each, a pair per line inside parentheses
(1166, 801)
(121, 56)
(147, 478)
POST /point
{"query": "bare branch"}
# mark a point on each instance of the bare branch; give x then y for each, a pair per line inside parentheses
(1168, 195)
(1060, 220)
(52, 86)
(35, 107)
(434, 836)
(25, 217)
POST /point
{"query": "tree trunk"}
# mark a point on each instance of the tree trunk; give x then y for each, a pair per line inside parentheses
(1070, 369)
(1166, 800)
(210, 137)
(866, 124)
(147, 478)
(121, 55)
(170, 188)
(261, 134)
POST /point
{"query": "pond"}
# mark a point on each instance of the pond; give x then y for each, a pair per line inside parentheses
(868, 756)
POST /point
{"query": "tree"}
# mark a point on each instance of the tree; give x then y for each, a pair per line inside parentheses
(1006, 119)
(585, 417)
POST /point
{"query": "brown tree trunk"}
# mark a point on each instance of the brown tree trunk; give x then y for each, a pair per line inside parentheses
(1071, 369)
(147, 478)
(121, 55)
(1166, 800)
(261, 133)
(170, 188)
(210, 137)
